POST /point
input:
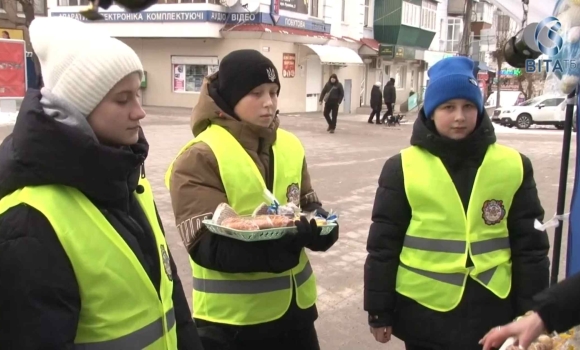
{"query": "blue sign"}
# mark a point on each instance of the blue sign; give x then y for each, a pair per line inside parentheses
(202, 16)
(573, 252)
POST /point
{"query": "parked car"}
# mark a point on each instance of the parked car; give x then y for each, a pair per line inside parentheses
(541, 110)
(562, 116)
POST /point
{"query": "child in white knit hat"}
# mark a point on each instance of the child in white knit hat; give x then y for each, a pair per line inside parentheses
(83, 258)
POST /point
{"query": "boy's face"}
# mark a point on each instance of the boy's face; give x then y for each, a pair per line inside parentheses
(259, 106)
(455, 119)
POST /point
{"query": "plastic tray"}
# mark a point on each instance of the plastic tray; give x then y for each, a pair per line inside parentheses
(260, 235)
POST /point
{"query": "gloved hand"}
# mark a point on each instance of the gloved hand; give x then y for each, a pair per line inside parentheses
(321, 243)
(308, 232)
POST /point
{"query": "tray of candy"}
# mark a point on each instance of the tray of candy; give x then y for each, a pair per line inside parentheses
(260, 235)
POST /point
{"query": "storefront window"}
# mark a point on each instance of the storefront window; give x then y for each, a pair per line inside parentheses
(188, 72)
(73, 2)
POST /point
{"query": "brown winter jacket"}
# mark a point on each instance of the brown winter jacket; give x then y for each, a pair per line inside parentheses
(195, 184)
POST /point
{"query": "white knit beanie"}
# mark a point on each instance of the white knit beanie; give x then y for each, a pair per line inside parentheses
(80, 64)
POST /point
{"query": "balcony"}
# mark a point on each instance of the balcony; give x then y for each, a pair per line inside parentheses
(482, 17)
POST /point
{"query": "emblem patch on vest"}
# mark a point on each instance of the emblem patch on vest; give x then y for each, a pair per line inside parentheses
(166, 262)
(493, 211)
(293, 194)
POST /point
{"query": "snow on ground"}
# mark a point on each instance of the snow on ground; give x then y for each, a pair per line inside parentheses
(8, 118)
(533, 130)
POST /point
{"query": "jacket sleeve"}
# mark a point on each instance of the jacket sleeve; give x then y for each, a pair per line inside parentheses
(391, 216)
(529, 247)
(196, 191)
(341, 93)
(187, 336)
(559, 306)
(39, 297)
(309, 202)
(324, 91)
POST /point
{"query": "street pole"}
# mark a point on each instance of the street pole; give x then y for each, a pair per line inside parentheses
(561, 204)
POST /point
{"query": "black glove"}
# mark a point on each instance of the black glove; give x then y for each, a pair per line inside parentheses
(305, 235)
(322, 243)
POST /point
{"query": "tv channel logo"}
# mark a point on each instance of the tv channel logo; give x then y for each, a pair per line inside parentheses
(545, 37)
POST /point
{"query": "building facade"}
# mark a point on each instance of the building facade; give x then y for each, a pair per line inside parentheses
(181, 41)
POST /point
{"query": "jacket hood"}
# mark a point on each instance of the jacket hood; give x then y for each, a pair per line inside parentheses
(333, 76)
(391, 82)
(475, 145)
(211, 109)
(42, 150)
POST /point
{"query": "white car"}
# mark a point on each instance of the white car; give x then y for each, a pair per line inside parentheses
(542, 110)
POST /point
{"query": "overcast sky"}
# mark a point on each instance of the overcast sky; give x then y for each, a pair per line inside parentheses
(539, 9)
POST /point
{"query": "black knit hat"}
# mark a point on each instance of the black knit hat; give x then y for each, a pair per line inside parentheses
(243, 70)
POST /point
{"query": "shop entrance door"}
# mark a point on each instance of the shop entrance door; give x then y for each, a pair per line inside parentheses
(313, 83)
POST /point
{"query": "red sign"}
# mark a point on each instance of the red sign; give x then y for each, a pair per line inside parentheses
(288, 65)
(12, 68)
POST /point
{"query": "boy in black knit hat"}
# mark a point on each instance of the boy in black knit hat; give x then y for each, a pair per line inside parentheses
(247, 295)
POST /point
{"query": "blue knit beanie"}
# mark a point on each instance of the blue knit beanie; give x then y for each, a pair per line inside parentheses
(449, 79)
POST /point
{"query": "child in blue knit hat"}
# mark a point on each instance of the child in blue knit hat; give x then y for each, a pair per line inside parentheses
(453, 251)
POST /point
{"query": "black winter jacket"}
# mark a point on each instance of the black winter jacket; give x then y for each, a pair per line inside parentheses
(559, 306)
(390, 92)
(335, 90)
(39, 293)
(479, 309)
(376, 98)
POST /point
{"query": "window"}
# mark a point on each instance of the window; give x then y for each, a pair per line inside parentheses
(188, 72)
(400, 77)
(552, 102)
(73, 2)
(429, 16)
(343, 11)
(454, 32)
(367, 5)
(313, 8)
(411, 15)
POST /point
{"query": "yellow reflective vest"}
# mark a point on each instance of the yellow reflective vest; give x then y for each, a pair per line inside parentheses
(441, 234)
(251, 298)
(120, 307)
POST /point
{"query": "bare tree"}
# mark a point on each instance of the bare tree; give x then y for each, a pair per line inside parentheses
(12, 8)
(505, 29)
(465, 43)
(530, 83)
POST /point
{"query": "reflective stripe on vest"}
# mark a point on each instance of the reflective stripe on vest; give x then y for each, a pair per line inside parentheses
(120, 307)
(251, 298)
(441, 233)
(139, 339)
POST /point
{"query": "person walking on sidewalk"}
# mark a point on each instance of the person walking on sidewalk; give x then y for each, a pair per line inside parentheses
(376, 103)
(332, 94)
(84, 263)
(247, 295)
(390, 96)
(452, 248)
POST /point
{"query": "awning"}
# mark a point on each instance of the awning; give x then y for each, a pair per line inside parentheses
(335, 54)
(266, 28)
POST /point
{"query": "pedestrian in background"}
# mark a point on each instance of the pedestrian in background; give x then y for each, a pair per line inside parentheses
(390, 96)
(376, 103)
(452, 248)
(84, 262)
(332, 94)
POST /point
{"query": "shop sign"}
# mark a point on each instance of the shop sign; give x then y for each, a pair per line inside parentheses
(511, 72)
(288, 65)
(204, 16)
(405, 52)
(387, 51)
